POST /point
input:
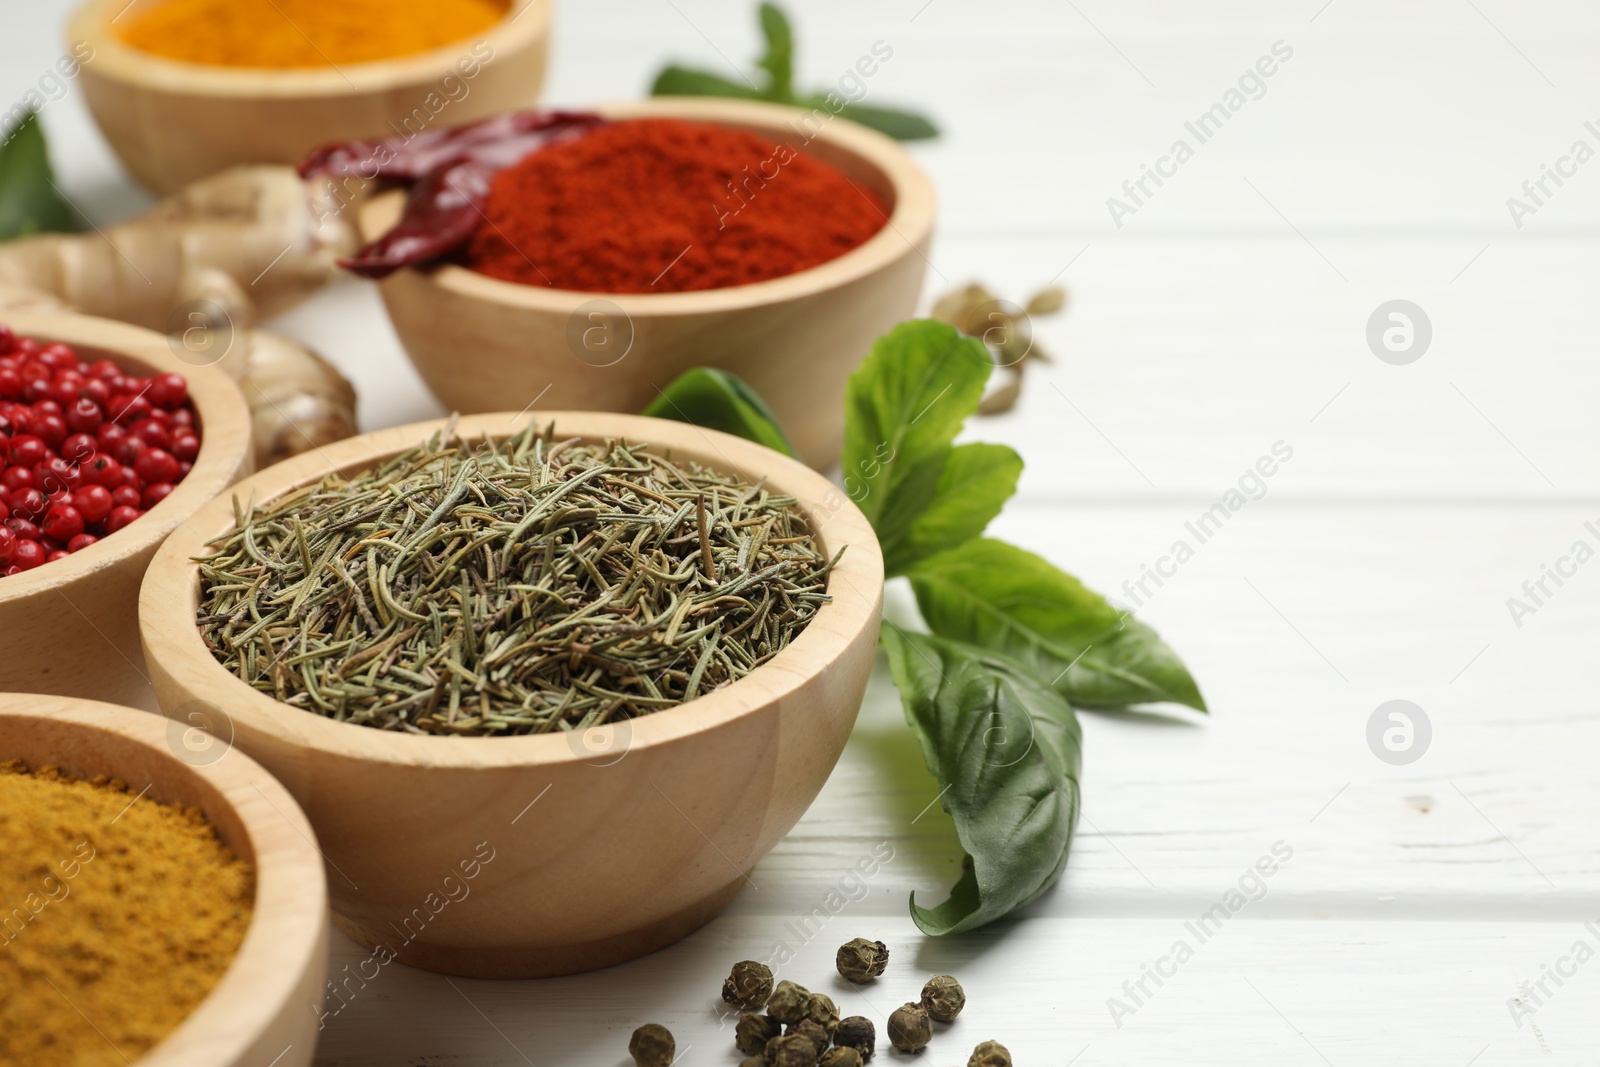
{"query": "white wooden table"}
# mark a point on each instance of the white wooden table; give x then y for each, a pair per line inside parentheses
(1227, 313)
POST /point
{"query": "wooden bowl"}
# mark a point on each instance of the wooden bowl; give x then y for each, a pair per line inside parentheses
(268, 1003)
(587, 848)
(172, 122)
(72, 626)
(483, 344)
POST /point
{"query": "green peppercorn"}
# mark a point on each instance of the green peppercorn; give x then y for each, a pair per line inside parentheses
(910, 1029)
(857, 1032)
(652, 1046)
(788, 1002)
(819, 1037)
(753, 1032)
(862, 960)
(943, 998)
(821, 1010)
(841, 1056)
(990, 1054)
(748, 986)
(792, 1050)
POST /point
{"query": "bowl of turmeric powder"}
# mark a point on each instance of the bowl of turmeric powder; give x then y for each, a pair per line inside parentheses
(162, 901)
(648, 238)
(185, 88)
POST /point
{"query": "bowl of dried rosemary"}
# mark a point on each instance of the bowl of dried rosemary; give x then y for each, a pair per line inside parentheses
(161, 897)
(547, 686)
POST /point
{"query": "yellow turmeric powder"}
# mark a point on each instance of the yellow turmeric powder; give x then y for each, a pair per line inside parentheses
(118, 915)
(286, 34)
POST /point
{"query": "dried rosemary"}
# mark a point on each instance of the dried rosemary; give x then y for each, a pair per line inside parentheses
(518, 588)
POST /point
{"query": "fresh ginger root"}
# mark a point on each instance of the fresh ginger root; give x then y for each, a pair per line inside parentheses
(297, 400)
(263, 227)
(222, 254)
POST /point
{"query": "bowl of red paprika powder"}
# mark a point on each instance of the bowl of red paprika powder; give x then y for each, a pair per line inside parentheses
(773, 242)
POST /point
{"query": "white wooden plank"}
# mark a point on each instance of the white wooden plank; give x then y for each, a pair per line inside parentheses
(1180, 362)
(1374, 607)
(1387, 114)
(1257, 992)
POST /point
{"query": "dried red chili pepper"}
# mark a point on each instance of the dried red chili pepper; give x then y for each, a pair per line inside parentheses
(449, 172)
(441, 215)
(499, 141)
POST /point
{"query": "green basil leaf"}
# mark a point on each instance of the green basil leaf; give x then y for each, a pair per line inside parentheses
(778, 62)
(779, 58)
(901, 125)
(1006, 599)
(974, 482)
(709, 397)
(903, 407)
(29, 202)
(1006, 751)
(681, 81)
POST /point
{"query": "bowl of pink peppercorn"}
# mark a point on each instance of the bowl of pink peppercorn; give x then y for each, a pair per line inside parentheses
(107, 442)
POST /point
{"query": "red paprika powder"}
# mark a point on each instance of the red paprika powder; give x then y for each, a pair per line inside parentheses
(662, 205)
